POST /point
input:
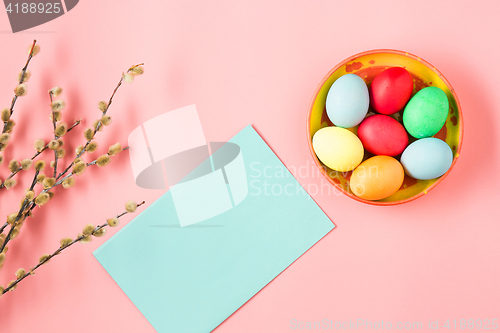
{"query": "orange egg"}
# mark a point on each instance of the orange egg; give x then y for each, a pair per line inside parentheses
(377, 178)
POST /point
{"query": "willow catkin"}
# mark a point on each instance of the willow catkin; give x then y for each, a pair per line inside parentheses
(131, 206)
(85, 239)
(88, 229)
(99, 232)
(61, 129)
(69, 182)
(21, 90)
(11, 218)
(106, 120)
(113, 222)
(42, 199)
(40, 165)
(56, 91)
(39, 145)
(10, 183)
(102, 106)
(13, 165)
(9, 126)
(58, 105)
(78, 150)
(20, 273)
(44, 259)
(103, 160)
(34, 50)
(91, 147)
(12, 285)
(115, 149)
(55, 116)
(88, 134)
(4, 138)
(40, 178)
(14, 233)
(30, 195)
(60, 152)
(137, 70)
(53, 144)
(5, 115)
(79, 168)
(48, 183)
(98, 125)
(26, 164)
(128, 78)
(23, 76)
(65, 241)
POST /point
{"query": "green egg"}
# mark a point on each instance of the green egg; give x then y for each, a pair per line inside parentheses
(426, 112)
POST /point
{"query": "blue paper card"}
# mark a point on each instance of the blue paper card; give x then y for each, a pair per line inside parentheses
(190, 279)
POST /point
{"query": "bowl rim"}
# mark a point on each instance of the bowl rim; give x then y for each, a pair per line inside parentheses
(401, 53)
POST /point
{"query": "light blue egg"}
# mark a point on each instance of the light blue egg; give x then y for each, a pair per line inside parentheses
(427, 158)
(347, 101)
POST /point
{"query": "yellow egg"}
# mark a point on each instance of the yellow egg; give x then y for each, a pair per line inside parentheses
(338, 148)
(377, 178)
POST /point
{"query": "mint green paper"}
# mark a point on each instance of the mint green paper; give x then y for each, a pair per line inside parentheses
(191, 279)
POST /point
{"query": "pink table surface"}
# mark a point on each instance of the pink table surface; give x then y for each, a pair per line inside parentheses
(259, 62)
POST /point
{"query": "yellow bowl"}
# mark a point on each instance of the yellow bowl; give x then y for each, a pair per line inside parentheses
(367, 65)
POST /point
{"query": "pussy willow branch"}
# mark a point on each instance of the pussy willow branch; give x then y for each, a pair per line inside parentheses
(2, 228)
(19, 214)
(59, 250)
(55, 136)
(99, 124)
(35, 156)
(33, 183)
(21, 79)
(23, 211)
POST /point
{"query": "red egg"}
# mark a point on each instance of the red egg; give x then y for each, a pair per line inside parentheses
(383, 135)
(391, 90)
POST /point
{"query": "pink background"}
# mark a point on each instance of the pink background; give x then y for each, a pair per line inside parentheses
(259, 62)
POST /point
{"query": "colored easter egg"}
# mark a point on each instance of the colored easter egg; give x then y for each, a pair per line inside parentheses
(427, 158)
(391, 90)
(426, 112)
(347, 101)
(377, 178)
(338, 148)
(383, 135)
